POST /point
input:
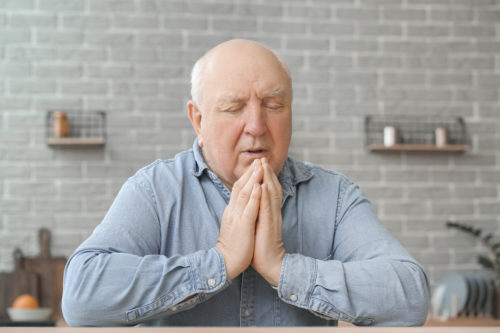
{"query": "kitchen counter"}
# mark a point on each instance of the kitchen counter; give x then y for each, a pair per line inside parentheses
(443, 329)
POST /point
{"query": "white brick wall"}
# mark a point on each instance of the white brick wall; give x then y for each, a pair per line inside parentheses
(132, 58)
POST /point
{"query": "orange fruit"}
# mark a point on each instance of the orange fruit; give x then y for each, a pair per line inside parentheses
(25, 301)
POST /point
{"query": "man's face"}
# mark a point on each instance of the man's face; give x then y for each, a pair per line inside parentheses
(245, 111)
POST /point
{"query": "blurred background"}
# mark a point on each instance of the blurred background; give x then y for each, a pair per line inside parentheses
(349, 59)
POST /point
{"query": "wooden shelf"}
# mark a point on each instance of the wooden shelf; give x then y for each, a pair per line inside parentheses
(416, 134)
(82, 142)
(419, 147)
(86, 129)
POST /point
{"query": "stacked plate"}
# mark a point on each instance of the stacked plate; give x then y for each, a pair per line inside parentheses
(469, 294)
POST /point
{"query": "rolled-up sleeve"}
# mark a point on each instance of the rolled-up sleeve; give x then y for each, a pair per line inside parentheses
(370, 278)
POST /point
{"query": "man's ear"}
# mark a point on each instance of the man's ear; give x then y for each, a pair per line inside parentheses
(195, 116)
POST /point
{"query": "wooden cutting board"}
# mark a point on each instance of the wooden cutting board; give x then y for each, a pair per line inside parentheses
(16, 283)
(51, 272)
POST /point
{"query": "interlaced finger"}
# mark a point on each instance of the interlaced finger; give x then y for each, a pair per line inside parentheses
(240, 183)
(252, 208)
(273, 184)
(244, 195)
(266, 211)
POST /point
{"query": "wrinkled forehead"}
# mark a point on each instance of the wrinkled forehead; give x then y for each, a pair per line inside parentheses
(243, 68)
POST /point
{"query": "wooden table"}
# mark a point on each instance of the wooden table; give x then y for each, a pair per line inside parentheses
(464, 322)
(444, 329)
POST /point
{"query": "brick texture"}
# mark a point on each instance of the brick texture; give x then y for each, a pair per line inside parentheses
(348, 59)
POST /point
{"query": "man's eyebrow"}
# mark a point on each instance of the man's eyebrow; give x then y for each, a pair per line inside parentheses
(274, 93)
(229, 99)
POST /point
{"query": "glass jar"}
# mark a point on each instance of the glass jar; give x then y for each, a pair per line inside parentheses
(60, 124)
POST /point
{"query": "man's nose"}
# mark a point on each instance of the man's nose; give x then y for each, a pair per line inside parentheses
(256, 120)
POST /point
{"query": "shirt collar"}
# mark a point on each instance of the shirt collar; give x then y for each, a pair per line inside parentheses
(292, 173)
(200, 164)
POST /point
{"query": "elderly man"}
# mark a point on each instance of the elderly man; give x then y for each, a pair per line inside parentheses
(235, 232)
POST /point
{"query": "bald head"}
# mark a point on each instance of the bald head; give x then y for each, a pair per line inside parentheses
(237, 53)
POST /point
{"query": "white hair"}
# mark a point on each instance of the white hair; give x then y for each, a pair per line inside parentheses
(196, 80)
(197, 73)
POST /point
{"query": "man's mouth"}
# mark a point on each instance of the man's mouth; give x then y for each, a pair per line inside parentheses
(255, 152)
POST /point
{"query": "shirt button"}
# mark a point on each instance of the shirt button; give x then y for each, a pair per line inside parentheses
(293, 298)
(247, 313)
(211, 282)
(174, 308)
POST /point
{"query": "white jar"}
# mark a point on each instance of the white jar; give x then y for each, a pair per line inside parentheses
(389, 136)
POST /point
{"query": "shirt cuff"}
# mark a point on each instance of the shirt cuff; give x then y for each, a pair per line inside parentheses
(206, 277)
(208, 272)
(297, 285)
(297, 279)
(303, 284)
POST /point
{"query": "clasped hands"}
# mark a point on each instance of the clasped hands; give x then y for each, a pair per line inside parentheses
(250, 232)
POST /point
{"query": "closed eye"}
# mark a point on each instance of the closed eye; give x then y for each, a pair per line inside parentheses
(274, 106)
(232, 109)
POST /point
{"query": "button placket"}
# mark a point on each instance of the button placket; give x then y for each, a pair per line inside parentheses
(247, 313)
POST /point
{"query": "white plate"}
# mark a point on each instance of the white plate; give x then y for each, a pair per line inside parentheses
(450, 296)
(29, 314)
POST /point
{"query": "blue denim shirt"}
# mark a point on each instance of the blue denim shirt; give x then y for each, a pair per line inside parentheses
(153, 261)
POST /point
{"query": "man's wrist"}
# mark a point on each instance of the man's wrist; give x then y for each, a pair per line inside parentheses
(230, 275)
(274, 274)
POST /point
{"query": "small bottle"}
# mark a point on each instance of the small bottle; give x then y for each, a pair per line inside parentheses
(60, 124)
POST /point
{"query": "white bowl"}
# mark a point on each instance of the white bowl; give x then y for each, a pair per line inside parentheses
(39, 314)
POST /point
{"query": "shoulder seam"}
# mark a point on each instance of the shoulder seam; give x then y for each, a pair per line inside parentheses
(151, 194)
